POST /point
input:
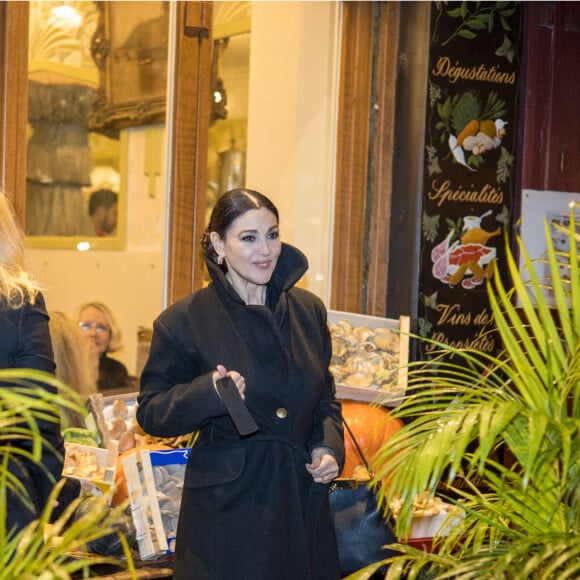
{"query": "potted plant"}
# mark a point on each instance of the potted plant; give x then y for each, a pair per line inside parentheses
(518, 518)
(41, 550)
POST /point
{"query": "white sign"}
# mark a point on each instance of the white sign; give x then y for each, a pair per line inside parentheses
(555, 208)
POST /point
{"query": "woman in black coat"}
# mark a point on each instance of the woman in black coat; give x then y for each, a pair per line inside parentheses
(254, 507)
(25, 343)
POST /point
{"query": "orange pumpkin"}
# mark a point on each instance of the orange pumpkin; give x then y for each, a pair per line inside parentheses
(371, 425)
(121, 491)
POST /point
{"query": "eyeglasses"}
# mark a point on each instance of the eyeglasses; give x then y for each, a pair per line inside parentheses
(86, 326)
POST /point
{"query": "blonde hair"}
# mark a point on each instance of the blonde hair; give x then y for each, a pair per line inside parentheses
(116, 340)
(73, 368)
(16, 285)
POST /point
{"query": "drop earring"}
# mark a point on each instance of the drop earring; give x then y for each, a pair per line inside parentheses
(220, 259)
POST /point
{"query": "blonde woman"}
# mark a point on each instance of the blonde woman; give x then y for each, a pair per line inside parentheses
(104, 335)
(25, 343)
(72, 357)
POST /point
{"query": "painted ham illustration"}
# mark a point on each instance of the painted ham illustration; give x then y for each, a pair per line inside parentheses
(468, 261)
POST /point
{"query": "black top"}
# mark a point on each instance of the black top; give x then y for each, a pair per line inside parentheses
(25, 343)
(112, 374)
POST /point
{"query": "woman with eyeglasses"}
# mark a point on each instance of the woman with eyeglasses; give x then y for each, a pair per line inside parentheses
(104, 335)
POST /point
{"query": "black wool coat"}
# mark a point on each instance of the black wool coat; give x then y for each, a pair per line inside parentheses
(249, 510)
(25, 343)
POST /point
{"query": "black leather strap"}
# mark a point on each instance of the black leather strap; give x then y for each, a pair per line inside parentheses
(236, 407)
(359, 450)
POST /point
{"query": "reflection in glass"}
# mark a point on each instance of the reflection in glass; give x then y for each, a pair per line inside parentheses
(63, 160)
(228, 131)
(59, 159)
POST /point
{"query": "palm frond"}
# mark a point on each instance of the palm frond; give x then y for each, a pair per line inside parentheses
(468, 411)
(27, 398)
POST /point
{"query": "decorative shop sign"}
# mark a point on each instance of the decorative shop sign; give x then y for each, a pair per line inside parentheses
(468, 185)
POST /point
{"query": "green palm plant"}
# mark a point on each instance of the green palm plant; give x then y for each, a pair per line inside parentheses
(520, 518)
(33, 552)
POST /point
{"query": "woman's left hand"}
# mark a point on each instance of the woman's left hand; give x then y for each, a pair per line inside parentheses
(324, 467)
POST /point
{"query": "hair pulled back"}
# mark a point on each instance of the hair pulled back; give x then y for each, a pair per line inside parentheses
(230, 206)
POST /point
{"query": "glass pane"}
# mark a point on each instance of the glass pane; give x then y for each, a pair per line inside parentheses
(230, 87)
(84, 137)
(65, 162)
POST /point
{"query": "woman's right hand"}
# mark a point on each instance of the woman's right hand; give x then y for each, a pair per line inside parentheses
(238, 379)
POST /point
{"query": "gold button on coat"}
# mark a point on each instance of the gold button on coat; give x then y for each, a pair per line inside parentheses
(281, 413)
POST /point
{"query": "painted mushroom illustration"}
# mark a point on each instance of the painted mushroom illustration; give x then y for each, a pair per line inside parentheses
(478, 127)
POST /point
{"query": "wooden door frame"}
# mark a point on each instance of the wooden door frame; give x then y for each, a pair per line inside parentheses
(382, 152)
(352, 156)
(13, 102)
(189, 148)
(364, 157)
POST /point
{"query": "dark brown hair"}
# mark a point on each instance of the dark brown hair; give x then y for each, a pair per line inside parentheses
(230, 206)
(102, 197)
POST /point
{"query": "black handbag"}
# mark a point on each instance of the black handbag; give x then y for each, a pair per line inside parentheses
(362, 530)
